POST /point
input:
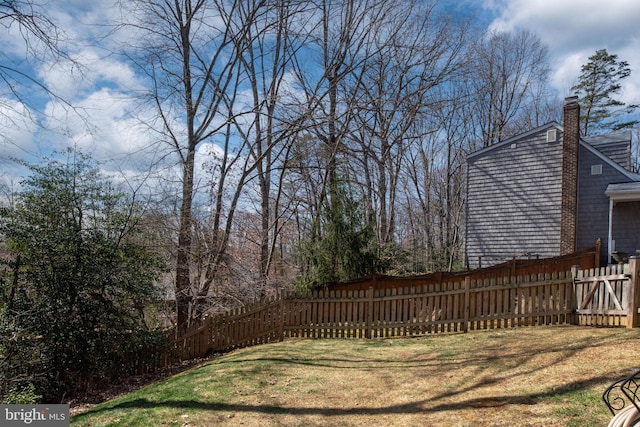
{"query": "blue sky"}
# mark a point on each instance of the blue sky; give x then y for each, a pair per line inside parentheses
(572, 29)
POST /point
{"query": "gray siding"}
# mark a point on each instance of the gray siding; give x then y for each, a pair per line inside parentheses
(513, 200)
(593, 204)
(626, 227)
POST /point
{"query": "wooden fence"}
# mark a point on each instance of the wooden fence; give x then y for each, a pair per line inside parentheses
(427, 309)
(250, 325)
(599, 297)
(435, 308)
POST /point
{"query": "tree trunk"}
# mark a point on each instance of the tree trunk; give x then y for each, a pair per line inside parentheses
(183, 271)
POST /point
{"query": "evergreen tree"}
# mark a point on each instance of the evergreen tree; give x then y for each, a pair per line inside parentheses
(599, 81)
(345, 248)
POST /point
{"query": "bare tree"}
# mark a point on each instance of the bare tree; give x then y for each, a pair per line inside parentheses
(417, 52)
(188, 51)
(421, 219)
(340, 43)
(268, 51)
(505, 69)
(449, 185)
(218, 69)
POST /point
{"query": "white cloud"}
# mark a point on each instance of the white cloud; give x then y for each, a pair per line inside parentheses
(571, 24)
(82, 20)
(100, 114)
(16, 142)
(18, 129)
(573, 30)
(71, 80)
(106, 125)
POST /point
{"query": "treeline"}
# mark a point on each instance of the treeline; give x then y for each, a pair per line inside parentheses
(334, 134)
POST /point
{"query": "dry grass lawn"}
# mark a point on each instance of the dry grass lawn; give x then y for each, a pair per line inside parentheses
(547, 376)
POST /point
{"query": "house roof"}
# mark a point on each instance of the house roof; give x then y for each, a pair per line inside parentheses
(514, 138)
(614, 145)
(594, 144)
(628, 174)
(621, 137)
(624, 192)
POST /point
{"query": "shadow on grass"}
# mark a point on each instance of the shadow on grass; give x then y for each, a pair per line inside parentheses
(486, 355)
(416, 407)
(490, 362)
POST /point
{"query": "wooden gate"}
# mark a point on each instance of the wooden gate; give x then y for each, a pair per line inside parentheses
(606, 296)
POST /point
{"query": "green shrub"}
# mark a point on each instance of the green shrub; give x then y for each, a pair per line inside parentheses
(23, 396)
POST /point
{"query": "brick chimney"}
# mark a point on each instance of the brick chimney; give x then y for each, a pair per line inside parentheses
(570, 147)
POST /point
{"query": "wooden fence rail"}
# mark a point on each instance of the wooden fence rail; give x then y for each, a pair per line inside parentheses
(599, 297)
(587, 259)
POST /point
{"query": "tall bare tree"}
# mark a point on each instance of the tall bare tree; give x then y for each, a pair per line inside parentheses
(188, 49)
(417, 51)
(218, 69)
(506, 67)
(267, 54)
(340, 44)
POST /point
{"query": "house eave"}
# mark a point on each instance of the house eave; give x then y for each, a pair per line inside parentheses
(624, 192)
(514, 139)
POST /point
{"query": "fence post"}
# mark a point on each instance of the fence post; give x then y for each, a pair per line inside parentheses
(574, 304)
(633, 292)
(467, 302)
(369, 313)
(281, 326)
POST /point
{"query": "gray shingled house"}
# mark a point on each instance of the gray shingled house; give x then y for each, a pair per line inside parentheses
(551, 192)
